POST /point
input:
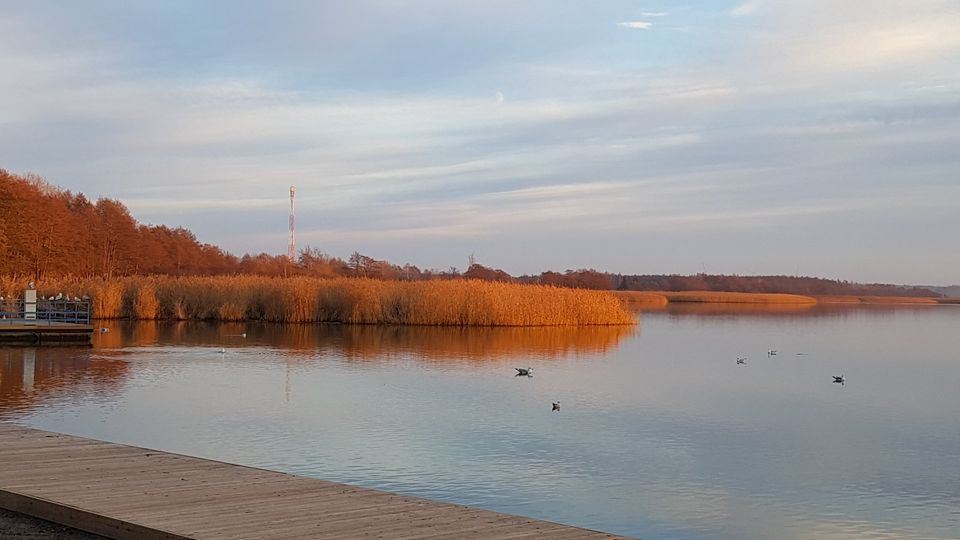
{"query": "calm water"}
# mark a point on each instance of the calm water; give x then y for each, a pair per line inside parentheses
(660, 433)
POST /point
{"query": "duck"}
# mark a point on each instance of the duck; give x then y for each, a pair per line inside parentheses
(524, 372)
(839, 379)
(741, 360)
(556, 406)
(772, 352)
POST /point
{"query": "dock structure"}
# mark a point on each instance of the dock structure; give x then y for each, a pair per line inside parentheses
(123, 492)
(33, 321)
(34, 332)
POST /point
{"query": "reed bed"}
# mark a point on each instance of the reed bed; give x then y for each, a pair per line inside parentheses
(736, 297)
(846, 299)
(642, 300)
(343, 300)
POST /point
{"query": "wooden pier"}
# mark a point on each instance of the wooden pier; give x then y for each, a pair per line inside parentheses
(123, 491)
(33, 332)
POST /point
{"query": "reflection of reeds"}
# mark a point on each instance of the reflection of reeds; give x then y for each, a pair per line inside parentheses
(455, 344)
(345, 300)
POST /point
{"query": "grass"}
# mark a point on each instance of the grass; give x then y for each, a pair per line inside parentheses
(342, 300)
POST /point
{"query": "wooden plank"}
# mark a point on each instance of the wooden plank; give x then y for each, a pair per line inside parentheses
(128, 492)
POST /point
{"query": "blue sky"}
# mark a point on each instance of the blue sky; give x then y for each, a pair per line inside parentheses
(748, 137)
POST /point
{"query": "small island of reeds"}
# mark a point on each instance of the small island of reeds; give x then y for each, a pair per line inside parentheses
(343, 300)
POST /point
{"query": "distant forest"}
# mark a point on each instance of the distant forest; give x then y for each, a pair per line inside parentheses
(48, 231)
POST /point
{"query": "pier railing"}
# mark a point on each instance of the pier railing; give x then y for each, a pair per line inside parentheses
(54, 311)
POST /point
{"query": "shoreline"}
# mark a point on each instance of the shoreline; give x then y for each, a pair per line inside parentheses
(648, 299)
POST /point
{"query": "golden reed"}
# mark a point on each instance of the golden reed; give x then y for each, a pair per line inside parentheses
(339, 300)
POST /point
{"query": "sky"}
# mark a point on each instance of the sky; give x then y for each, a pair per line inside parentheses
(810, 137)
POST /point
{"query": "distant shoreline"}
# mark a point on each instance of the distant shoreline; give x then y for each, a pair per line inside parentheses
(663, 298)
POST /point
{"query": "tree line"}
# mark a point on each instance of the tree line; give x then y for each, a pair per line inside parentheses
(45, 230)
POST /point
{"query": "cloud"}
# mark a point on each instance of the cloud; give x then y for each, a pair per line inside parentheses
(653, 14)
(639, 25)
(744, 9)
(598, 135)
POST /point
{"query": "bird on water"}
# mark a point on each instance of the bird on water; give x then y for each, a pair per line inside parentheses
(556, 406)
(524, 372)
(839, 379)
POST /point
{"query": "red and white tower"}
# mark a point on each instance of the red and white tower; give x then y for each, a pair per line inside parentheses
(292, 240)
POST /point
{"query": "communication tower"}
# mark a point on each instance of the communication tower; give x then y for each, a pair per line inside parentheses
(292, 240)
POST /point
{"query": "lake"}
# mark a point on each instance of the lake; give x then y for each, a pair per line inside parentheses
(660, 433)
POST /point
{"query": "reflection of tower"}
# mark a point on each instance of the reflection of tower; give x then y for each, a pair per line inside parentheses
(292, 240)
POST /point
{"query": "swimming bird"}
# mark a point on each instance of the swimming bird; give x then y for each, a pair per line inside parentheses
(556, 406)
(772, 352)
(741, 360)
(223, 351)
(524, 372)
(839, 379)
(104, 330)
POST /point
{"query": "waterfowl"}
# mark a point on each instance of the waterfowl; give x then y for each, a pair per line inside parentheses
(839, 379)
(772, 352)
(523, 372)
(556, 406)
(741, 360)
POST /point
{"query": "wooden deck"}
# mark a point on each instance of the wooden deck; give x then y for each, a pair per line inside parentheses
(128, 492)
(31, 332)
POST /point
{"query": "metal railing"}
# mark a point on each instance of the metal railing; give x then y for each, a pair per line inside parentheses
(60, 311)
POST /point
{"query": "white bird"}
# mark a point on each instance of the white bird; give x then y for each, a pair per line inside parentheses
(223, 351)
(104, 330)
(59, 296)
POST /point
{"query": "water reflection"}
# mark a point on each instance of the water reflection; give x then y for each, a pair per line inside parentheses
(29, 375)
(372, 341)
(661, 435)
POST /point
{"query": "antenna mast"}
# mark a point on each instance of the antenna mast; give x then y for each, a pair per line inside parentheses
(292, 240)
